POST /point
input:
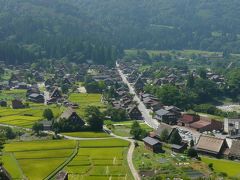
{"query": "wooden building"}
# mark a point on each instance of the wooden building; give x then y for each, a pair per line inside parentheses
(210, 145)
(17, 104)
(152, 144)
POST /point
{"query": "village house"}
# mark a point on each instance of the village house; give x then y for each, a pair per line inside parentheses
(37, 98)
(21, 85)
(138, 85)
(188, 119)
(56, 94)
(210, 145)
(205, 124)
(17, 104)
(234, 152)
(162, 127)
(179, 148)
(165, 116)
(71, 115)
(232, 126)
(3, 103)
(134, 113)
(152, 144)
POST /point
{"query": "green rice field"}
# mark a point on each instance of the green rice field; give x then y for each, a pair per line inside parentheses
(100, 159)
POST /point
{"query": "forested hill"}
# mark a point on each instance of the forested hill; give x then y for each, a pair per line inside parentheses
(88, 29)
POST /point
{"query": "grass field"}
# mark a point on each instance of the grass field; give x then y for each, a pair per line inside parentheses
(230, 167)
(100, 159)
(85, 100)
(123, 128)
(87, 134)
(37, 159)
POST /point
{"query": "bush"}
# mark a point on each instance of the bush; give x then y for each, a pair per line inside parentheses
(210, 166)
(192, 153)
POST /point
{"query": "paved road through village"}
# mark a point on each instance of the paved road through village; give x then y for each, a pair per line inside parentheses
(145, 112)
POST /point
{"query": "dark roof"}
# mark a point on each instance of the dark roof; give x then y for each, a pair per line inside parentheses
(162, 112)
(235, 148)
(151, 141)
(176, 146)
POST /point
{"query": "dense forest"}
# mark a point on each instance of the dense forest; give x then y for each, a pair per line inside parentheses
(100, 29)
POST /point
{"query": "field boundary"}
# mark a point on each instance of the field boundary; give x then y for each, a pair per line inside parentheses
(60, 167)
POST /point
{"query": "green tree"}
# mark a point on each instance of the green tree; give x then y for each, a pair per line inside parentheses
(175, 138)
(202, 73)
(94, 118)
(137, 132)
(164, 135)
(192, 153)
(190, 81)
(10, 134)
(116, 114)
(65, 88)
(48, 114)
(37, 128)
(191, 143)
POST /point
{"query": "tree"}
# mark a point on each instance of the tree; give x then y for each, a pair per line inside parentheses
(9, 133)
(190, 81)
(175, 138)
(137, 132)
(65, 88)
(37, 128)
(116, 114)
(164, 135)
(191, 143)
(192, 153)
(94, 118)
(202, 73)
(48, 114)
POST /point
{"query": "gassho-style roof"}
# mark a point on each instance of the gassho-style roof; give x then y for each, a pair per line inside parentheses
(235, 148)
(67, 113)
(151, 141)
(162, 127)
(210, 144)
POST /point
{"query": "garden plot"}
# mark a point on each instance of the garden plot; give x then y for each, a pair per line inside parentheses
(37, 159)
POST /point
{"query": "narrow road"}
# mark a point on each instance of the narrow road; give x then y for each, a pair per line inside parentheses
(145, 112)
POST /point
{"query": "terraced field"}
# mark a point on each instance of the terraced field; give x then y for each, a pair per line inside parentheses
(36, 159)
(87, 159)
(87, 134)
(26, 117)
(100, 159)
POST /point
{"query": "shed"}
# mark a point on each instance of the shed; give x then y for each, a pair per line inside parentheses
(152, 144)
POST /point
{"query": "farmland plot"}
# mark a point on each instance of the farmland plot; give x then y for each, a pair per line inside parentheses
(100, 159)
(36, 159)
